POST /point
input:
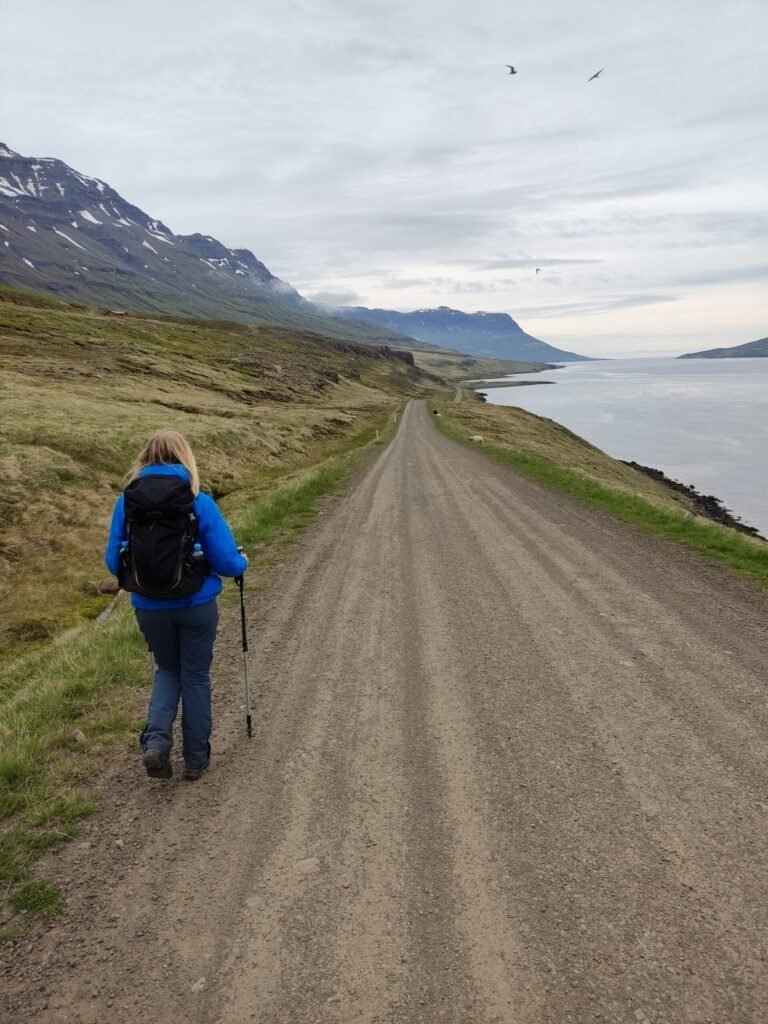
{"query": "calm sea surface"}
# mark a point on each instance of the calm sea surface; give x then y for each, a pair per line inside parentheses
(702, 421)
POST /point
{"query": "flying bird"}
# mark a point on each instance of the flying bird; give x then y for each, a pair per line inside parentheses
(596, 74)
(538, 270)
(512, 70)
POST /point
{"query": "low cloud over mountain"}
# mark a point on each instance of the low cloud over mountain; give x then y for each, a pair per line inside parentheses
(74, 236)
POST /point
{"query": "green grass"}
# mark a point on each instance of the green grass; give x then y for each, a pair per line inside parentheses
(289, 507)
(276, 417)
(38, 897)
(92, 681)
(97, 681)
(744, 555)
(292, 505)
(79, 395)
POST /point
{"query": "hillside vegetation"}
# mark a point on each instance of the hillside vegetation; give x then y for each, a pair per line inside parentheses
(81, 391)
(458, 367)
(277, 418)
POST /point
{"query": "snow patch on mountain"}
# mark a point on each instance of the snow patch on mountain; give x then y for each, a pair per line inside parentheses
(70, 240)
(88, 182)
(160, 238)
(57, 200)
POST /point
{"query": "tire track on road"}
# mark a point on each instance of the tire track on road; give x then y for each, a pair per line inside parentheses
(508, 768)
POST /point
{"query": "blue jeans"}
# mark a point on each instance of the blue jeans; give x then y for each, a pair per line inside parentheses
(181, 640)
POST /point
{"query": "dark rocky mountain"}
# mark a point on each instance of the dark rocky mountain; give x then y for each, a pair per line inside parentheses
(494, 335)
(74, 236)
(748, 350)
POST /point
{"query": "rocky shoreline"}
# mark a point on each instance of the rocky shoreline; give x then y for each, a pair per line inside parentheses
(511, 383)
(705, 505)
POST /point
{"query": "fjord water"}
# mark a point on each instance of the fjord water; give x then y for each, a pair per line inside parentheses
(703, 422)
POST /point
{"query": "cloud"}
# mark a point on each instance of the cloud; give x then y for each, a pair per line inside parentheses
(383, 150)
(502, 264)
(669, 228)
(594, 306)
(335, 299)
(428, 283)
(725, 275)
(446, 285)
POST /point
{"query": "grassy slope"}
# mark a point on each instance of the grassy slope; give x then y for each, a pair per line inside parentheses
(458, 367)
(560, 459)
(97, 681)
(276, 417)
(210, 298)
(80, 392)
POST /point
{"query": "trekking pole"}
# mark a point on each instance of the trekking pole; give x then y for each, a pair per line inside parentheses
(241, 583)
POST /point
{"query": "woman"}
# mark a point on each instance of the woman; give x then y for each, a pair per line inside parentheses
(163, 520)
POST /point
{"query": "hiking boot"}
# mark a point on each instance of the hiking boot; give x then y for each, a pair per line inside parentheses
(193, 774)
(157, 763)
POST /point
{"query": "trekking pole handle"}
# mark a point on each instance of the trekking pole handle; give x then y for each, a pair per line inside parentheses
(239, 579)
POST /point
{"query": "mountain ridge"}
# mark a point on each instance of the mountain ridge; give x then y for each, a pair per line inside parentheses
(74, 236)
(750, 349)
(494, 335)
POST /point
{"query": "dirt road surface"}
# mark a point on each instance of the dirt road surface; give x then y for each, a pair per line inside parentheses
(509, 765)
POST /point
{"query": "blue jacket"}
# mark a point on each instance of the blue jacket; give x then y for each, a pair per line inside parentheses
(215, 536)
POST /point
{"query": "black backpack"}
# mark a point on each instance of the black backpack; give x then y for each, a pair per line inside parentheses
(161, 556)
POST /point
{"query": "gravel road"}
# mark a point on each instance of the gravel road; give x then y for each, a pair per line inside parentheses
(509, 765)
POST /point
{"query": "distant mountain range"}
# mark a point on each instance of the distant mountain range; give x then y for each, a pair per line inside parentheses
(746, 351)
(74, 236)
(494, 335)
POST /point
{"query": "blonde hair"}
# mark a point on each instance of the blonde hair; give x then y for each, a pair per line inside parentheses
(167, 448)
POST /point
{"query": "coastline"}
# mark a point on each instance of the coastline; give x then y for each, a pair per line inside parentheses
(485, 384)
(707, 506)
(643, 497)
(704, 504)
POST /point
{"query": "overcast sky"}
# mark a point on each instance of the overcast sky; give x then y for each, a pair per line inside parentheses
(380, 154)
